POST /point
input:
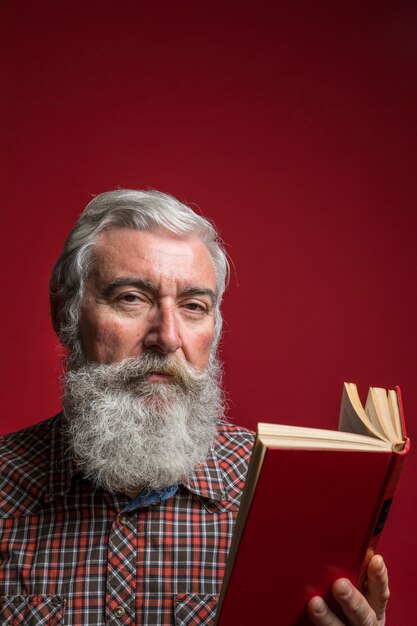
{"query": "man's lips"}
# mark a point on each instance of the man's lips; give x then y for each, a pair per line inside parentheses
(159, 377)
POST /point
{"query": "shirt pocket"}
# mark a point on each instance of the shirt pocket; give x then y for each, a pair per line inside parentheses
(32, 610)
(191, 609)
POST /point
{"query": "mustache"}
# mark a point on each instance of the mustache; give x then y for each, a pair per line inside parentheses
(135, 371)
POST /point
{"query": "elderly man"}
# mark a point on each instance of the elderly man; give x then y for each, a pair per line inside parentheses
(120, 510)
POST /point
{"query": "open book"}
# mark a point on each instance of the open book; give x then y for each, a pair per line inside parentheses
(314, 504)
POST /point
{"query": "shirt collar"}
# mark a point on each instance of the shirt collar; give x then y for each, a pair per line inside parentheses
(207, 480)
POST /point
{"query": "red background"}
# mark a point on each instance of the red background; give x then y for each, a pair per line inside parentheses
(293, 126)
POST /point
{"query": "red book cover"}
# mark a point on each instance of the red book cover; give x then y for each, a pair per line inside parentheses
(314, 517)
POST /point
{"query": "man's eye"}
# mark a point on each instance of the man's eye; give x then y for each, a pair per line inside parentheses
(195, 306)
(131, 298)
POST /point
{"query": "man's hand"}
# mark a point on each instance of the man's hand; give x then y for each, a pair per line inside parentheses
(360, 610)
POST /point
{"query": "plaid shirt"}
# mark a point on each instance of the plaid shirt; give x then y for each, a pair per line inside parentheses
(70, 554)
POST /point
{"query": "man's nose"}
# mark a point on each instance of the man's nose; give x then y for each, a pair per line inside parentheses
(163, 333)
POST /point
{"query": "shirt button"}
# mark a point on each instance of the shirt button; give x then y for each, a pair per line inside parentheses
(123, 519)
(119, 612)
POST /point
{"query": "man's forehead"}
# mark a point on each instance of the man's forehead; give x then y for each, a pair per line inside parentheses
(128, 250)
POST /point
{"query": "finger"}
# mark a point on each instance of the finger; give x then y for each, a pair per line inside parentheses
(320, 614)
(377, 590)
(354, 605)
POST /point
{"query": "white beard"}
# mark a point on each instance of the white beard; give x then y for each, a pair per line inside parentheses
(127, 433)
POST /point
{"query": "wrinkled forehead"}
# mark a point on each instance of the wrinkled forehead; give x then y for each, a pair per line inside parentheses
(152, 252)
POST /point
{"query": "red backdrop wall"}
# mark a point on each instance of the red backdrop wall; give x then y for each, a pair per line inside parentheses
(293, 126)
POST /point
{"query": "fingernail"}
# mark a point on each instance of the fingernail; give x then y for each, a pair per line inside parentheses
(344, 587)
(380, 562)
(317, 605)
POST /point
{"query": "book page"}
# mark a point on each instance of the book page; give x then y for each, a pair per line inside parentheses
(395, 413)
(377, 410)
(353, 417)
(303, 438)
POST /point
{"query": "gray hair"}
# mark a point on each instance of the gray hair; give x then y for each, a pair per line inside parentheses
(132, 209)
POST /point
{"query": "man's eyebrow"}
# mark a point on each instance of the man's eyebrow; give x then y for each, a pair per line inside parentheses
(200, 291)
(131, 281)
(148, 285)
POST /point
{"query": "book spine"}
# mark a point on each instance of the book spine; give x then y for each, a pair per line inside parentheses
(381, 513)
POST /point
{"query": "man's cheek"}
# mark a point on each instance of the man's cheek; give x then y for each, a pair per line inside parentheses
(107, 343)
(203, 346)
